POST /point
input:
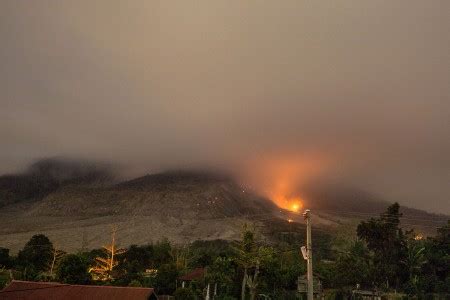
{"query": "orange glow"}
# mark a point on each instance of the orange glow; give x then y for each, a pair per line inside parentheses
(418, 237)
(281, 176)
(293, 204)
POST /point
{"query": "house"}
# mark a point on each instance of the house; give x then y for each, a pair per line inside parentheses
(197, 274)
(302, 285)
(366, 295)
(27, 290)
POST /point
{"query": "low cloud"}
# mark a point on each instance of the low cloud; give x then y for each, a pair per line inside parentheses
(355, 93)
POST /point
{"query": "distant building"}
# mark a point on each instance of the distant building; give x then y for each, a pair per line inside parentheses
(197, 274)
(27, 290)
(366, 295)
(302, 285)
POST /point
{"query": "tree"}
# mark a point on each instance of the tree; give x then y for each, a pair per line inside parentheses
(251, 258)
(436, 270)
(413, 262)
(356, 258)
(246, 253)
(138, 256)
(5, 260)
(37, 253)
(162, 252)
(133, 263)
(414, 259)
(104, 266)
(388, 242)
(57, 255)
(73, 269)
(180, 257)
(203, 253)
(280, 273)
(442, 245)
(184, 294)
(166, 278)
(221, 273)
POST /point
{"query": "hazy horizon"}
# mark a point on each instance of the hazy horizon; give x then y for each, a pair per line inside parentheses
(280, 93)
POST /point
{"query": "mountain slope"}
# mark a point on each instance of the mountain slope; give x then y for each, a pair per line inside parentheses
(172, 194)
(46, 176)
(80, 207)
(183, 206)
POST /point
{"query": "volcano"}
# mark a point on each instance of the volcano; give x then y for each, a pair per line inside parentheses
(76, 206)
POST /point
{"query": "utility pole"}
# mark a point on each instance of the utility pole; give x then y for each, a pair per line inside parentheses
(307, 217)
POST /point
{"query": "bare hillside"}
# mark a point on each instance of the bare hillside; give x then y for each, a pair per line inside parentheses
(78, 210)
(183, 206)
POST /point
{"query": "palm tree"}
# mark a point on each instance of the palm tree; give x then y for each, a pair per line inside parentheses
(414, 259)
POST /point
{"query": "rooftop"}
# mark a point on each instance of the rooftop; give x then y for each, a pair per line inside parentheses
(25, 290)
(195, 274)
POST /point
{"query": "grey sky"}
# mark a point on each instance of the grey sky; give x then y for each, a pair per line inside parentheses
(361, 86)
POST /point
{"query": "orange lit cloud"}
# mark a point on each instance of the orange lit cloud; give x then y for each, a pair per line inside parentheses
(281, 176)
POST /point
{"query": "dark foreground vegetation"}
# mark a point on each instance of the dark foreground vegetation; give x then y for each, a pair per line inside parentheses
(380, 256)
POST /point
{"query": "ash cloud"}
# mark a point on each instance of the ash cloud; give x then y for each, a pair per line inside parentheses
(353, 93)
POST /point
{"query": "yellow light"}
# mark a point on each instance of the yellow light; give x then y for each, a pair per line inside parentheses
(295, 207)
(290, 220)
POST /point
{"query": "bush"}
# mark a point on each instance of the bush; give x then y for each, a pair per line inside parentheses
(184, 294)
(5, 278)
(73, 269)
(135, 283)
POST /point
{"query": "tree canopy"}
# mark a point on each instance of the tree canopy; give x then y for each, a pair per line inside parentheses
(73, 269)
(379, 254)
(37, 253)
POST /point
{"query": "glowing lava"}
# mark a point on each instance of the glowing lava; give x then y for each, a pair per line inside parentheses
(281, 176)
(293, 204)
